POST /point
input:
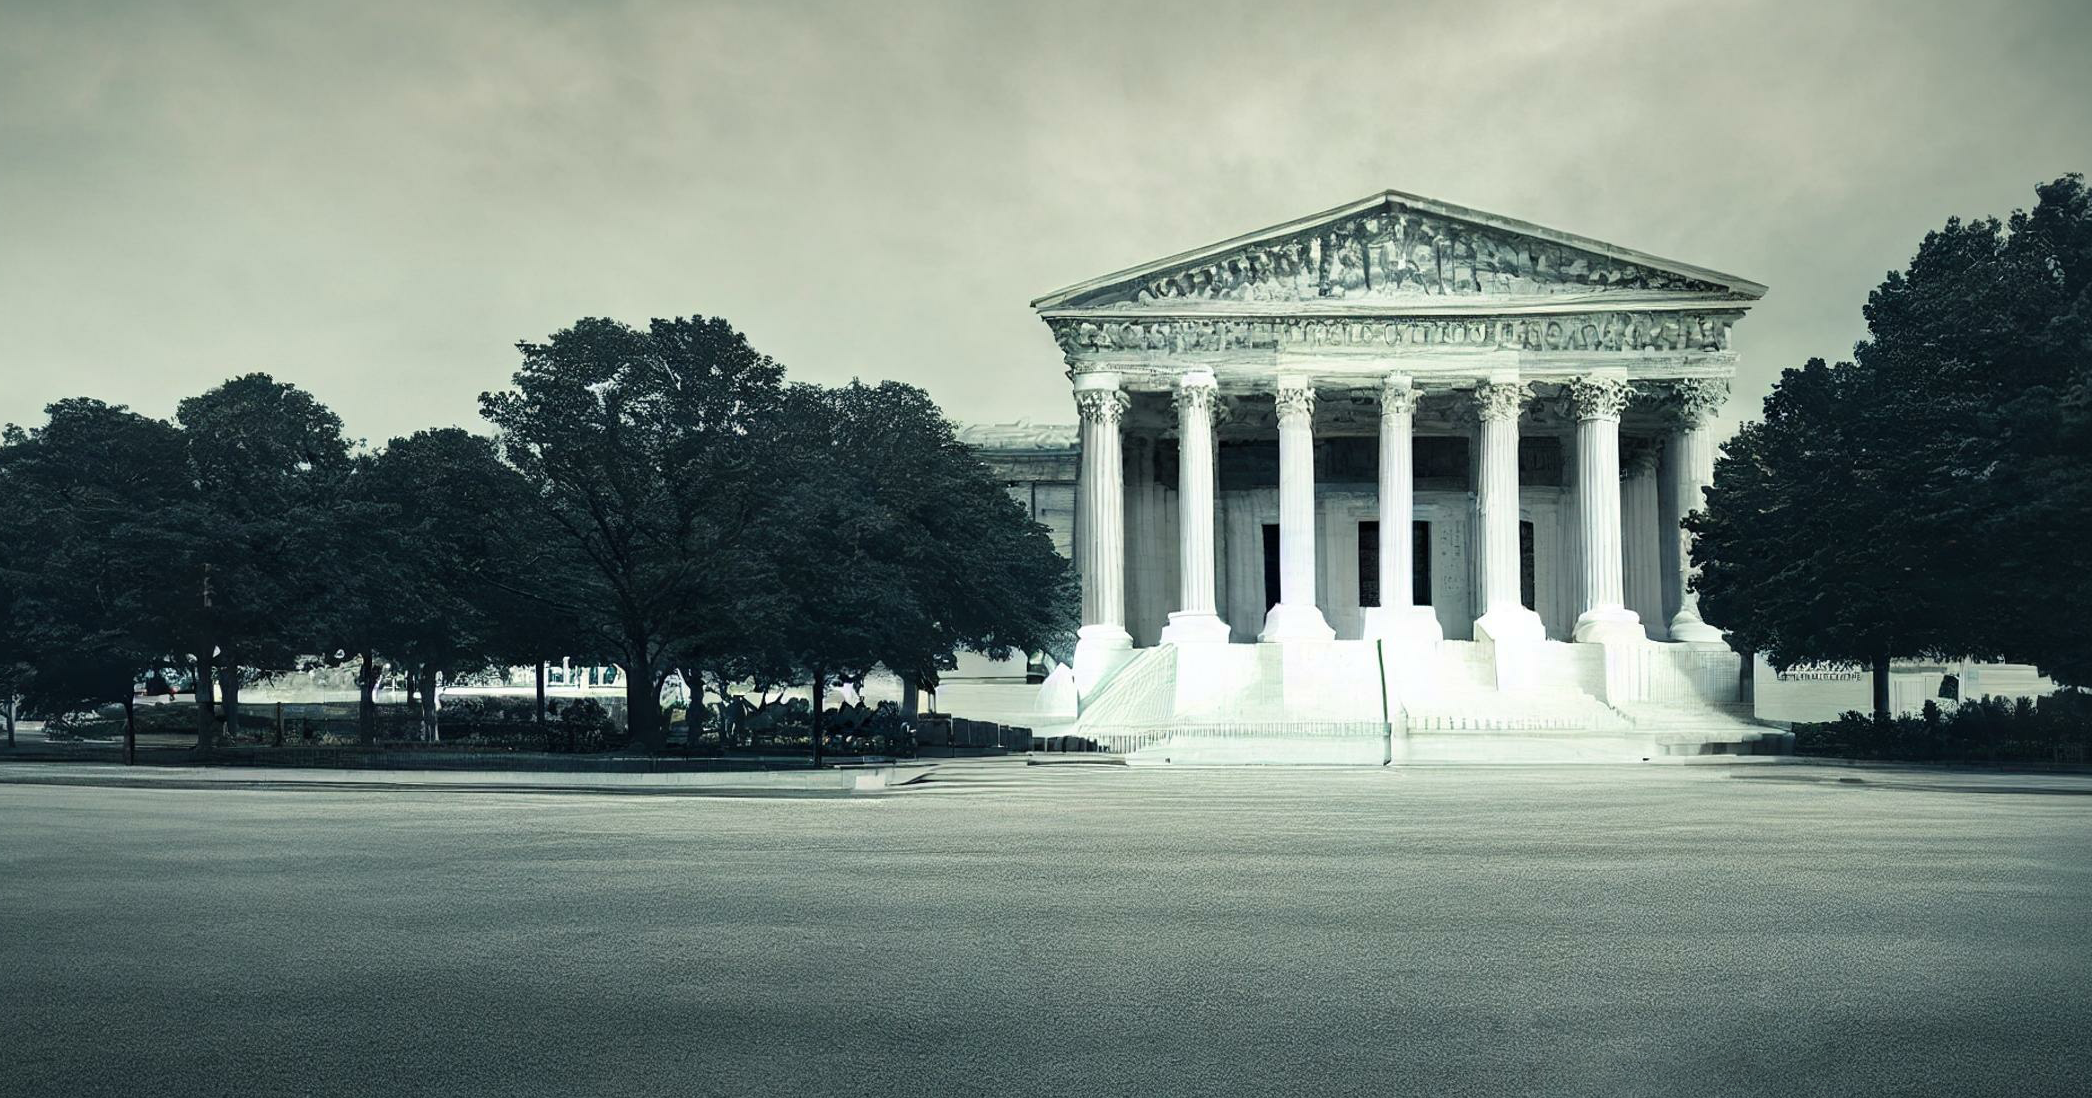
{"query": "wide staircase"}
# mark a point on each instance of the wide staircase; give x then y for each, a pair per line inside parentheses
(1359, 703)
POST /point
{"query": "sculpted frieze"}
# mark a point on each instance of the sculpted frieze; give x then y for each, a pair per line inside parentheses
(1396, 253)
(1616, 331)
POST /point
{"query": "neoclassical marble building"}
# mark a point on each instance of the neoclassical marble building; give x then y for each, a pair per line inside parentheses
(1393, 472)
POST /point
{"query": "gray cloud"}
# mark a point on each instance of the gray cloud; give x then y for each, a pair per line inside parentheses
(376, 200)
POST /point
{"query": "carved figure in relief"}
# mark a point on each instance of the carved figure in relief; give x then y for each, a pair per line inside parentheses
(1463, 267)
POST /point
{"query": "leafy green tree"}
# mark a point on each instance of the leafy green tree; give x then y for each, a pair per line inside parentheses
(893, 546)
(1930, 497)
(1988, 334)
(1805, 545)
(255, 541)
(532, 617)
(88, 612)
(444, 503)
(644, 451)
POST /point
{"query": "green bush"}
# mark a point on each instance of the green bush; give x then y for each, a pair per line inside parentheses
(2055, 729)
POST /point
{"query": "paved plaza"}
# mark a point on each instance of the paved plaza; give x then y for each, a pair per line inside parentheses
(1066, 930)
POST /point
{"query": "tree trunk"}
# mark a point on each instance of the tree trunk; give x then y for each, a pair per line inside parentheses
(279, 724)
(12, 704)
(1881, 689)
(366, 701)
(911, 698)
(130, 729)
(642, 713)
(430, 706)
(206, 720)
(539, 715)
(694, 705)
(726, 714)
(229, 687)
(820, 682)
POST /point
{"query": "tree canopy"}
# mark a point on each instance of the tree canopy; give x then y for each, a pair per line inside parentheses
(85, 614)
(645, 451)
(892, 547)
(1930, 497)
(659, 496)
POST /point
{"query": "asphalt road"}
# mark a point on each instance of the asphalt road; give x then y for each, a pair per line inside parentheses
(1061, 931)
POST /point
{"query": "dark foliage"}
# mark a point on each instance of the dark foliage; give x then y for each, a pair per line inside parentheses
(656, 498)
(1933, 496)
(2054, 729)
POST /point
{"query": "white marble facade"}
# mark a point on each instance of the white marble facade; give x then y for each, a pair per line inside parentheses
(1539, 380)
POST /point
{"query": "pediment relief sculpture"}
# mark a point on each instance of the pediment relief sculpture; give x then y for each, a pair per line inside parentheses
(1397, 248)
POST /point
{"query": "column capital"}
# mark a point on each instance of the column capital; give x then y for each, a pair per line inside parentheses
(1197, 379)
(1398, 394)
(1197, 392)
(1699, 398)
(1500, 400)
(1599, 396)
(1295, 398)
(1101, 406)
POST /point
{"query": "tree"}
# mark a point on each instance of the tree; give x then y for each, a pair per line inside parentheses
(88, 612)
(1804, 548)
(253, 545)
(531, 620)
(1991, 325)
(895, 547)
(643, 450)
(442, 506)
(1928, 498)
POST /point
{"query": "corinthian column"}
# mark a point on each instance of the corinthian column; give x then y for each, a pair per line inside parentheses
(1498, 403)
(1692, 470)
(1599, 398)
(1196, 621)
(1640, 554)
(1397, 618)
(1296, 617)
(1101, 523)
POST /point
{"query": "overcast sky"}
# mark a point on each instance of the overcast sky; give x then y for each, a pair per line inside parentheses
(375, 200)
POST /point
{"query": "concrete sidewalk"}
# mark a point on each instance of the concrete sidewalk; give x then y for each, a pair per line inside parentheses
(844, 781)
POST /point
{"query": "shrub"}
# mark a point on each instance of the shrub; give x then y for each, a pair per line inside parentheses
(2054, 729)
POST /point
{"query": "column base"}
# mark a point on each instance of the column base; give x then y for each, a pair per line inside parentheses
(1688, 628)
(1057, 700)
(1609, 625)
(1296, 623)
(1195, 627)
(1511, 623)
(1403, 625)
(1099, 650)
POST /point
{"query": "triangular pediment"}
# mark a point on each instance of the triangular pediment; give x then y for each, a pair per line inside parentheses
(1396, 249)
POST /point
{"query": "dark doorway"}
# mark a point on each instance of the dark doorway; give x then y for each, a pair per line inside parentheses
(1525, 564)
(1270, 565)
(1420, 566)
(1369, 564)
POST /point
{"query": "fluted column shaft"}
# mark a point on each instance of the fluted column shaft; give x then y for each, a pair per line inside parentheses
(1599, 400)
(1640, 557)
(1195, 619)
(1498, 404)
(1692, 470)
(1598, 519)
(1296, 496)
(1397, 492)
(1195, 492)
(1103, 492)
(1497, 495)
(1296, 617)
(1397, 618)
